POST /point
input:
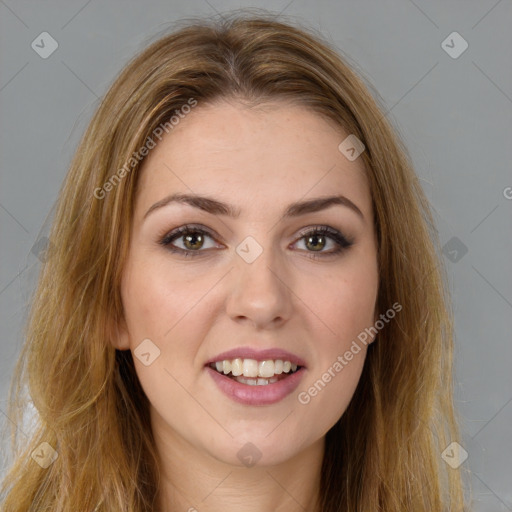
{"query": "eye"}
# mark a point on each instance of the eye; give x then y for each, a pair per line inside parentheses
(315, 240)
(192, 237)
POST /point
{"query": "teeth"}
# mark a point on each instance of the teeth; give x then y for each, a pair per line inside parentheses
(256, 382)
(236, 367)
(266, 368)
(261, 370)
(250, 368)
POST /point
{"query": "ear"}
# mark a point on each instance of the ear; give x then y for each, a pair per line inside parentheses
(118, 333)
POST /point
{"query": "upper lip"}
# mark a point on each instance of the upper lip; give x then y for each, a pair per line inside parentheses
(258, 354)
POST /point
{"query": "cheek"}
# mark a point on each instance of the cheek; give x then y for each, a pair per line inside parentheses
(344, 302)
(352, 307)
(157, 302)
(344, 308)
(326, 395)
(163, 307)
(331, 381)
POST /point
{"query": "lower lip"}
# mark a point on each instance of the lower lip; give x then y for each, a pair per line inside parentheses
(256, 395)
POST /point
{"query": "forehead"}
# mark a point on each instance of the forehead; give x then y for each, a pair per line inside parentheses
(259, 157)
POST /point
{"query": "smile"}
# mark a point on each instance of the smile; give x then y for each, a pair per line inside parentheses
(259, 382)
(255, 373)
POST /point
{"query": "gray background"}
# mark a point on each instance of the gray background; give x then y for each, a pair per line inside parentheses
(455, 115)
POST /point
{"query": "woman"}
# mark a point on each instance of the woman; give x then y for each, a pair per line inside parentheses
(243, 307)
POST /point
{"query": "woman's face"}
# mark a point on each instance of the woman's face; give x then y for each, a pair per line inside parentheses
(249, 278)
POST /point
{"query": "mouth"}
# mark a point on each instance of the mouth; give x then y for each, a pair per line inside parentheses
(255, 376)
(252, 372)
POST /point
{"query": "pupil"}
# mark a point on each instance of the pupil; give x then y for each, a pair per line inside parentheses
(316, 237)
(188, 238)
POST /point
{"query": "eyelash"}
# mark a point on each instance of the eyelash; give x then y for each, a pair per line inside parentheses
(339, 239)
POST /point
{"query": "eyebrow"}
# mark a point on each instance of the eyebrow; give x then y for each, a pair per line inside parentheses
(215, 207)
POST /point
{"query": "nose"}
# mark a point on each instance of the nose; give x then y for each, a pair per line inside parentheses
(260, 292)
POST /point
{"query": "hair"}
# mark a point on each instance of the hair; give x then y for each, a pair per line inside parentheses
(384, 453)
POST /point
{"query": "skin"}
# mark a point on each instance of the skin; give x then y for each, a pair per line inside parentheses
(193, 308)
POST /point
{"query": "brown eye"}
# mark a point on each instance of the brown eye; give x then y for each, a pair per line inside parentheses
(193, 241)
(318, 238)
(315, 242)
(192, 238)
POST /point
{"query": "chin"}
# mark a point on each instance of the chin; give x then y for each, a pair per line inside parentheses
(257, 447)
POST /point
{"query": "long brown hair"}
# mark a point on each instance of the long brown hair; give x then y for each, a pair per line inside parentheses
(385, 452)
